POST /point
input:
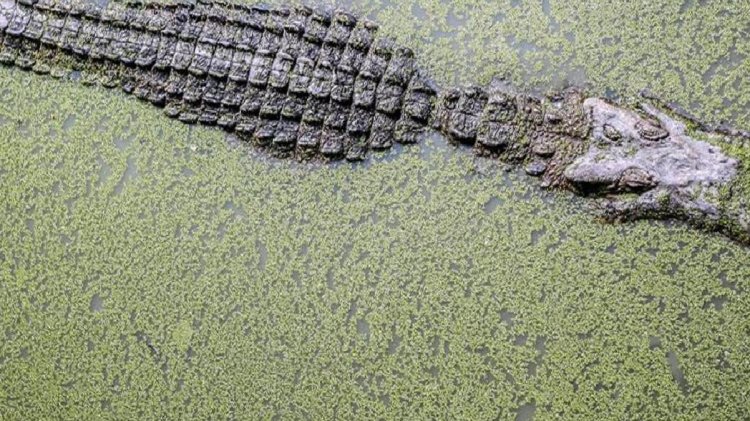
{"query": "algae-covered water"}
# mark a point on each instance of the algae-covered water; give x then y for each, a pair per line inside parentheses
(150, 270)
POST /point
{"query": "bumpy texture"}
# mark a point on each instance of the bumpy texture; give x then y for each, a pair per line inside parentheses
(307, 83)
(298, 81)
(423, 285)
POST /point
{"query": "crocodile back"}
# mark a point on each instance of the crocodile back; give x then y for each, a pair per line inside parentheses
(298, 81)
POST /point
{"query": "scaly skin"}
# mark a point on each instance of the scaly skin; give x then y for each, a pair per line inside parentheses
(308, 84)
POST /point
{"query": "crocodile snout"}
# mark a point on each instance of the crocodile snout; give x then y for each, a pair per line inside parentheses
(637, 180)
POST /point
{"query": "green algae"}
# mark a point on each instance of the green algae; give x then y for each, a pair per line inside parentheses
(692, 52)
(154, 270)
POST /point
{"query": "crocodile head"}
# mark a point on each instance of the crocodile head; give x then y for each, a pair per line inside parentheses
(651, 157)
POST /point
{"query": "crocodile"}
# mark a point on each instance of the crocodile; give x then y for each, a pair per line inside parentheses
(309, 83)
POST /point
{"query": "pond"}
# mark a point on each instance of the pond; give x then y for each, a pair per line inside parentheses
(155, 270)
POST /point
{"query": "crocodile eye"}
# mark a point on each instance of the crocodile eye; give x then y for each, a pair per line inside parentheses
(611, 133)
(651, 132)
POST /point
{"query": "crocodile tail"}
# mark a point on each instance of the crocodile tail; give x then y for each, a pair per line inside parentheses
(299, 81)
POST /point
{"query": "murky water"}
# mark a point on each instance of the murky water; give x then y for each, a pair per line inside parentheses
(154, 270)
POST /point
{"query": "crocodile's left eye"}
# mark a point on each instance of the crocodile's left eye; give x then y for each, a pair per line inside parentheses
(651, 132)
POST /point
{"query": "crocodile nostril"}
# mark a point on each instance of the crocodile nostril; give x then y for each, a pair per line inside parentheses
(637, 179)
(611, 133)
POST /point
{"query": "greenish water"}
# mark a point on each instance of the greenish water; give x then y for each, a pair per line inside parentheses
(153, 270)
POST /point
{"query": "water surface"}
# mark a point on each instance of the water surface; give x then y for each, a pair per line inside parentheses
(154, 270)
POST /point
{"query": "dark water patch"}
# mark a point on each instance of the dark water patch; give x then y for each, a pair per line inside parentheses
(652, 251)
(433, 371)
(419, 12)
(536, 235)
(23, 129)
(686, 4)
(69, 122)
(724, 63)
(654, 342)
(24, 352)
(221, 231)
(487, 378)
(363, 328)
(612, 94)
(507, 318)
(97, 303)
(554, 25)
(673, 269)
(330, 280)
(262, 251)
(238, 212)
(717, 303)
(677, 373)
(394, 344)
(526, 412)
(104, 171)
(130, 173)
(492, 204)
(103, 124)
(297, 278)
(546, 9)
(385, 399)
(66, 240)
(454, 20)
(70, 204)
(540, 345)
(122, 143)
(726, 283)
(352, 311)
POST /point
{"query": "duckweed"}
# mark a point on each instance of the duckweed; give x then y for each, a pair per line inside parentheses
(154, 270)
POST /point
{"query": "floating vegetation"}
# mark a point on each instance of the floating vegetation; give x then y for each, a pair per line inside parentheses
(153, 270)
